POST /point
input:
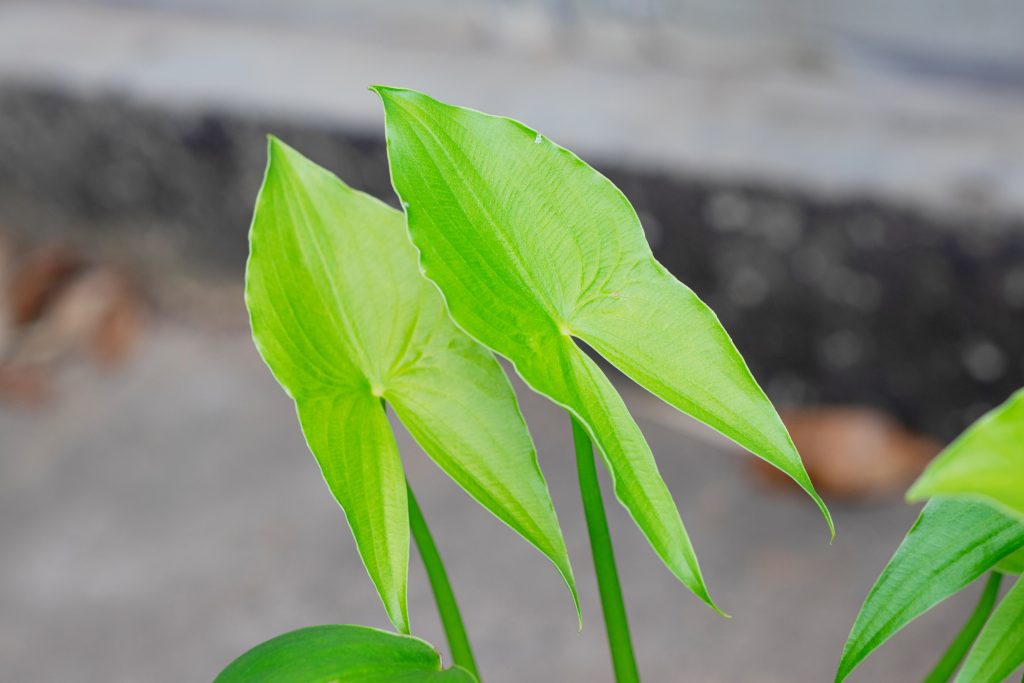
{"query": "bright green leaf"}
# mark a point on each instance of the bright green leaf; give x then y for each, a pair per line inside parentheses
(999, 649)
(337, 654)
(951, 544)
(343, 318)
(535, 250)
(985, 463)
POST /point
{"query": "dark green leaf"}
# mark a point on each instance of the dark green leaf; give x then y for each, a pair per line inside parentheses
(342, 654)
(952, 543)
(1013, 564)
(999, 649)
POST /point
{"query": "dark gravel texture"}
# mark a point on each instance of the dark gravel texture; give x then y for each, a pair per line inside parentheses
(830, 300)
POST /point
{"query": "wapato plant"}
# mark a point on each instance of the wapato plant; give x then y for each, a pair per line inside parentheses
(345, 322)
(529, 251)
(973, 524)
(534, 250)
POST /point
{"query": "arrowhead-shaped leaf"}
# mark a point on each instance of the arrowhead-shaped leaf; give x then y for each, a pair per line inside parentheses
(985, 463)
(534, 250)
(343, 318)
(999, 649)
(333, 654)
(951, 544)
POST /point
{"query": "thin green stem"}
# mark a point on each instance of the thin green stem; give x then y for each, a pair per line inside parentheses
(951, 660)
(615, 622)
(444, 597)
(447, 607)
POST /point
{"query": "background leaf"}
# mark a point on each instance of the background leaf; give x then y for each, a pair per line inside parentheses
(534, 250)
(1012, 564)
(951, 544)
(999, 649)
(985, 463)
(335, 654)
(343, 318)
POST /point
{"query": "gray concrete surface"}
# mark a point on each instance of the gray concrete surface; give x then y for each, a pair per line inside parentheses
(161, 518)
(911, 102)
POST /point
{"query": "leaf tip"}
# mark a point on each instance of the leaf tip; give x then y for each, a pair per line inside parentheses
(278, 151)
(921, 489)
(915, 493)
(719, 611)
(389, 93)
(808, 488)
(401, 622)
(828, 520)
(274, 143)
(706, 597)
(579, 612)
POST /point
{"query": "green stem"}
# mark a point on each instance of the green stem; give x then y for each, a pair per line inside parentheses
(615, 621)
(951, 660)
(444, 597)
(447, 608)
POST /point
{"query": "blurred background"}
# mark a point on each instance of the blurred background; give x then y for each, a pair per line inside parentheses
(842, 182)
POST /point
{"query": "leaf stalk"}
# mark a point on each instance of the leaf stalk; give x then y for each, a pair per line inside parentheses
(616, 624)
(447, 607)
(958, 649)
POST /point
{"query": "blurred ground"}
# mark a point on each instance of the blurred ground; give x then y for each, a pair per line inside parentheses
(160, 519)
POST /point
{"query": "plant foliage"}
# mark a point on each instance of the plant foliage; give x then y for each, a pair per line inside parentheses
(999, 649)
(985, 463)
(535, 252)
(337, 653)
(972, 525)
(344, 320)
(951, 544)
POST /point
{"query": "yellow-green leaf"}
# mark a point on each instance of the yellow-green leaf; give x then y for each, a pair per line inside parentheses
(985, 463)
(344, 319)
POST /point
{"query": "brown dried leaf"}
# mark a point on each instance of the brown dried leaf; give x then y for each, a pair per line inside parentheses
(854, 452)
(120, 326)
(96, 313)
(38, 278)
(25, 386)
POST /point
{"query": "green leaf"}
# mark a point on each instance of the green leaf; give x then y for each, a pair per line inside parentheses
(338, 654)
(1013, 564)
(343, 318)
(999, 649)
(951, 544)
(534, 250)
(985, 463)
